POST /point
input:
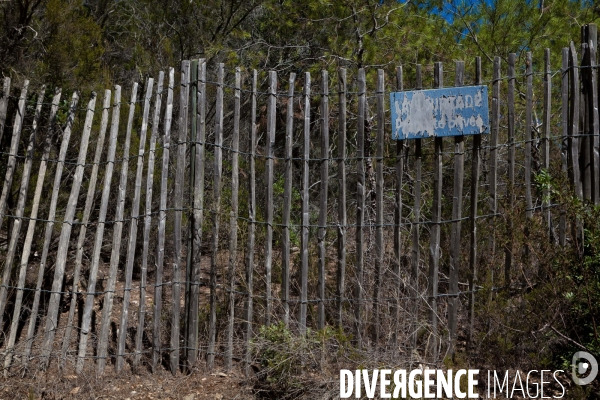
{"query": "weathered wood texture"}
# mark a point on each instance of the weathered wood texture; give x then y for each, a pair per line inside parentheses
(323, 199)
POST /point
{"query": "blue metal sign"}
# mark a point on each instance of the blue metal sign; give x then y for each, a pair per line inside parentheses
(440, 112)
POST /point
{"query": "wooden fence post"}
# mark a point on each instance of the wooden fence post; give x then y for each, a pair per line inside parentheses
(271, 115)
(508, 250)
(436, 219)
(493, 177)
(546, 133)
(116, 240)
(189, 264)
(162, 221)
(133, 227)
(199, 114)
(398, 257)
(178, 214)
(574, 123)
(528, 132)
(415, 230)
(251, 226)
(323, 197)
(86, 320)
(305, 210)
(564, 145)
(475, 168)
(379, 246)
(360, 203)
(287, 202)
(212, 328)
(65, 236)
(455, 253)
(148, 222)
(342, 216)
(233, 225)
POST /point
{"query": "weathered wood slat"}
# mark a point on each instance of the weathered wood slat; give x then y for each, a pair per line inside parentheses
(20, 209)
(322, 231)
(41, 175)
(416, 249)
(133, 227)
(199, 113)
(455, 235)
(287, 202)
(65, 236)
(564, 147)
(436, 218)
(305, 210)
(116, 240)
(271, 121)
(86, 320)
(546, 134)
(342, 216)
(584, 116)
(14, 150)
(574, 123)
(475, 172)
(89, 200)
(218, 166)
(493, 161)
(360, 205)
(148, 220)
(592, 41)
(162, 221)
(251, 226)
(379, 246)
(184, 93)
(4, 105)
(528, 132)
(187, 351)
(233, 226)
(398, 257)
(594, 125)
(508, 249)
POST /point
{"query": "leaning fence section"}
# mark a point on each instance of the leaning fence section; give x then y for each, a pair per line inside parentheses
(167, 224)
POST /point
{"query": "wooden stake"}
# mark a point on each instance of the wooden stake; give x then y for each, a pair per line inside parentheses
(271, 114)
(436, 219)
(86, 320)
(218, 166)
(305, 210)
(475, 168)
(162, 221)
(323, 197)
(233, 226)
(528, 132)
(251, 226)
(457, 200)
(342, 217)
(379, 246)
(287, 202)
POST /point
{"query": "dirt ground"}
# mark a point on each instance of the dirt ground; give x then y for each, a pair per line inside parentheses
(161, 385)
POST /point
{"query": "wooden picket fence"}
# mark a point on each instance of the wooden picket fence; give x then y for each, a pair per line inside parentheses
(256, 217)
